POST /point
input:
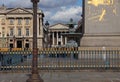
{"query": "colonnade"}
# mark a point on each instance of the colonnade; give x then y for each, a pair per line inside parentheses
(58, 39)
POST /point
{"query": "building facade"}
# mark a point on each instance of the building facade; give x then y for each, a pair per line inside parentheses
(56, 39)
(65, 35)
(16, 27)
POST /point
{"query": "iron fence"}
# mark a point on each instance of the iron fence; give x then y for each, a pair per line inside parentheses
(61, 59)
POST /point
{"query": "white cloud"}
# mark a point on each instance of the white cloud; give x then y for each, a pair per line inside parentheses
(66, 13)
(42, 3)
(48, 15)
(54, 10)
(56, 3)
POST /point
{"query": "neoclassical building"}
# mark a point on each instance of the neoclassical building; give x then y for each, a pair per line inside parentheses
(55, 32)
(59, 35)
(16, 27)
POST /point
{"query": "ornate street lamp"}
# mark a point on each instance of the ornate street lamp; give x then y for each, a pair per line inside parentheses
(35, 75)
(47, 24)
(71, 26)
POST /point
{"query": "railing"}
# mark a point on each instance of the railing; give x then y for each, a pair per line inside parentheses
(62, 59)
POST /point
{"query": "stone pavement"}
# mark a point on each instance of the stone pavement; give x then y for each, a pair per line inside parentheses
(64, 77)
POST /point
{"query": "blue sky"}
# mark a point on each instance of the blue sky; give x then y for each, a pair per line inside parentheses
(79, 2)
(56, 11)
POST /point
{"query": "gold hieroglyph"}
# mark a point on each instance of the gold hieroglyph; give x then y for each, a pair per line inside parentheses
(100, 2)
(97, 3)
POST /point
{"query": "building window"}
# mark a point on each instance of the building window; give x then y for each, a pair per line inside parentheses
(27, 32)
(3, 35)
(3, 21)
(27, 21)
(19, 21)
(11, 45)
(27, 40)
(11, 21)
(50, 35)
(3, 28)
(27, 45)
(19, 31)
(11, 40)
(11, 32)
(3, 31)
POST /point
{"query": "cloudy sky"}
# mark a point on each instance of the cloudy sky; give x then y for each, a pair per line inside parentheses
(56, 11)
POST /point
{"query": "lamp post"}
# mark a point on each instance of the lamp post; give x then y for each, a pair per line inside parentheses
(35, 75)
(71, 26)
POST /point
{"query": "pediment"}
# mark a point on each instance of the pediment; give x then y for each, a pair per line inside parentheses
(18, 11)
(59, 26)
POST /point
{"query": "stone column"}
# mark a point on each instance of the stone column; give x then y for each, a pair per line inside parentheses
(40, 26)
(15, 28)
(23, 43)
(61, 39)
(65, 40)
(53, 43)
(57, 38)
(23, 28)
(41, 32)
(15, 43)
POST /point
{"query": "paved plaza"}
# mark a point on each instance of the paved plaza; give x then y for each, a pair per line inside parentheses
(64, 77)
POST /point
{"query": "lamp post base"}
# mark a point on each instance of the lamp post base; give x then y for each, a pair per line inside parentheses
(34, 78)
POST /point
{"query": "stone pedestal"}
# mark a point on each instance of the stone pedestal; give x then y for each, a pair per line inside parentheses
(101, 23)
(100, 41)
(35, 78)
